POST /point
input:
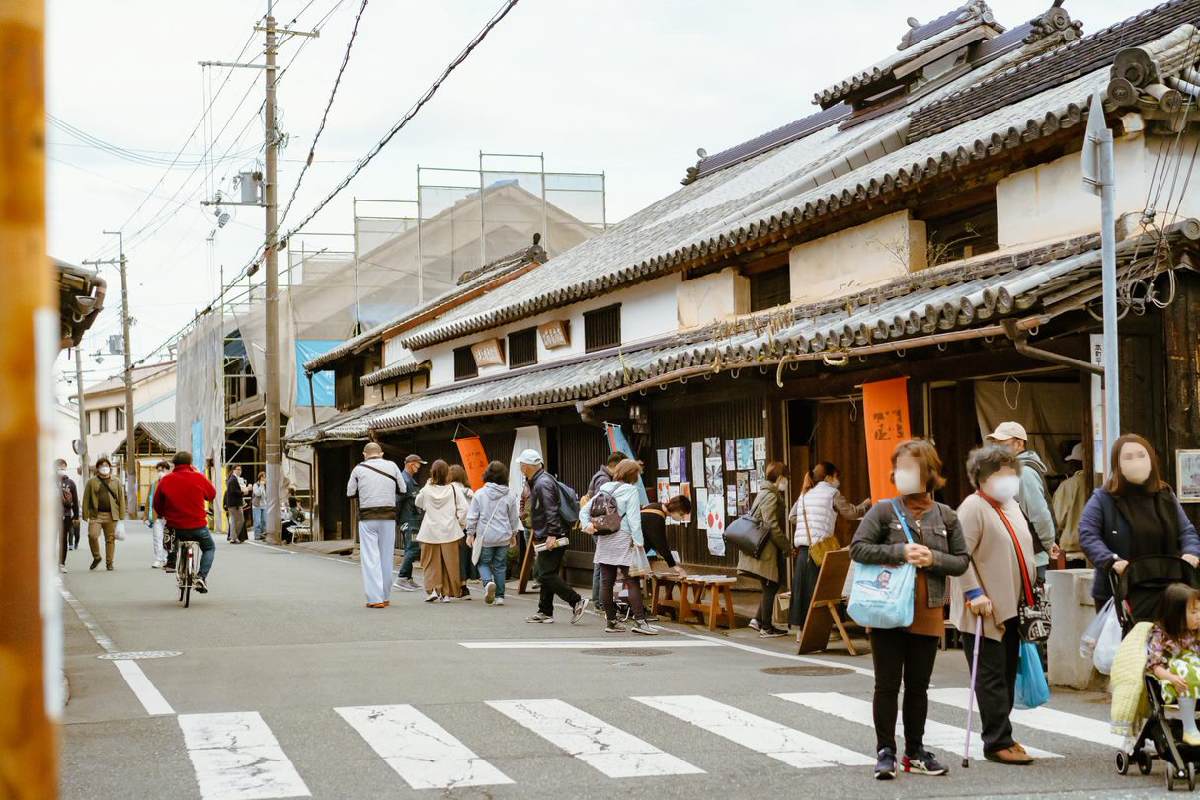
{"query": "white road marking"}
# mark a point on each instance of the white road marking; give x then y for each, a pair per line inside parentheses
(762, 651)
(86, 618)
(575, 644)
(756, 733)
(151, 699)
(418, 749)
(1046, 719)
(612, 751)
(236, 757)
(937, 735)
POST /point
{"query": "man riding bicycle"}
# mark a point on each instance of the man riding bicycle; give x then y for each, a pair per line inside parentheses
(180, 500)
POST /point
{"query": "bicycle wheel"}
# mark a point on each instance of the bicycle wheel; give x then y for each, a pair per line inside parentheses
(189, 568)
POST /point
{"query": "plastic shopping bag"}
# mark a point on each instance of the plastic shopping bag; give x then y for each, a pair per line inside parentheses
(1107, 644)
(639, 564)
(1032, 690)
(119, 533)
(1087, 644)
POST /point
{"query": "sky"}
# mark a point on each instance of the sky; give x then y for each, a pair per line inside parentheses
(630, 88)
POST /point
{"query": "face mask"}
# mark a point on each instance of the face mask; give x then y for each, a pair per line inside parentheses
(782, 483)
(908, 481)
(105, 470)
(162, 472)
(834, 482)
(1002, 488)
(1137, 471)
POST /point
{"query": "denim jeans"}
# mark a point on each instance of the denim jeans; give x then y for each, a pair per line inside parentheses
(493, 566)
(208, 550)
(596, 585)
(412, 554)
(260, 523)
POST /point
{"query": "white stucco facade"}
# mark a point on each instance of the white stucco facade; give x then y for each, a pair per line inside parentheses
(857, 258)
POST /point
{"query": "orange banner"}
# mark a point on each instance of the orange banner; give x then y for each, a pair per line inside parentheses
(474, 460)
(885, 414)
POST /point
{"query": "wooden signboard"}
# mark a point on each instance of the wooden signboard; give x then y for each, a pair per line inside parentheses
(555, 334)
(823, 612)
(488, 353)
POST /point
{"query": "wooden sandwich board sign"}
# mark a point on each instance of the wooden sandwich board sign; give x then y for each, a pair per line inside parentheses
(823, 612)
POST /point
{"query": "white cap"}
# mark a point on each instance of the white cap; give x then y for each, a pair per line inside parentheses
(530, 457)
(1009, 430)
(1076, 453)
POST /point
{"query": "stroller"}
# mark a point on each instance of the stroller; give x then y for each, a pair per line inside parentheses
(1136, 596)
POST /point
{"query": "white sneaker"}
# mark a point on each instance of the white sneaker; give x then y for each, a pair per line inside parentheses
(447, 599)
(432, 597)
(63, 568)
(489, 593)
(155, 565)
(499, 601)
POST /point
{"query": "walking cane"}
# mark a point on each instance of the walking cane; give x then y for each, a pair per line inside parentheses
(966, 762)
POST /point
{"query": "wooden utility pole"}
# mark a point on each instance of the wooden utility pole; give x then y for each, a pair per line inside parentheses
(29, 335)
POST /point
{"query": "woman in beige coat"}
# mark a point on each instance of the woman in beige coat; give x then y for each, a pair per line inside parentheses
(990, 589)
(442, 527)
(771, 510)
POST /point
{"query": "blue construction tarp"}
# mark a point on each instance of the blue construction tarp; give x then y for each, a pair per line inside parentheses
(322, 382)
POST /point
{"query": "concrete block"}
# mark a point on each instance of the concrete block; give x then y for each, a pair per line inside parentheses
(1071, 611)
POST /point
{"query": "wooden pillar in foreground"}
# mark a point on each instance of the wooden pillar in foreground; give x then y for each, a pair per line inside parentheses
(29, 335)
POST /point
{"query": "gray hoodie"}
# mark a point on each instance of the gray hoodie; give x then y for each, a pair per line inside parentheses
(494, 515)
(1034, 501)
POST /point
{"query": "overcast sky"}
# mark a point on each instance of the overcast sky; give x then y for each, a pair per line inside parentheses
(629, 88)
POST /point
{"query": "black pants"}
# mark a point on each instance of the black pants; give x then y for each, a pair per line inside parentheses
(608, 576)
(75, 526)
(766, 606)
(550, 582)
(995, 683)
(68, 526)
(902, 657)
(804, 581)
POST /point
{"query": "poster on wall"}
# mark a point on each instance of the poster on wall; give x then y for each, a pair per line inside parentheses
(760, 449)
(730, 455)
(713, 479)
(754, 482)
(682, 456)
(662, 460)
(743, 492)
(714, 513)
(673, 463)
(697, 472)
(712, 447)
(664, 490)
(1187, 467)
(700, 508)
(731, 500)
(745, 454)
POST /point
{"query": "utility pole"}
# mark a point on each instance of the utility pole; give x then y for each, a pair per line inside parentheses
(83, 424)
(30, 636)
(131, 468)
(1099, 177)
(271, 189)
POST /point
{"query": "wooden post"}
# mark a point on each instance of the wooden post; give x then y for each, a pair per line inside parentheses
(29, 335)
(1181, 398)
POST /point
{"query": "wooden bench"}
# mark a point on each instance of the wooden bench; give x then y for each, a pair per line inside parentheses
(662, 593)
(706, 593)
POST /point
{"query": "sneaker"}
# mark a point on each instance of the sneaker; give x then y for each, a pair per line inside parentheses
(405, 585)
(109, 567)
(616, 626)
(644, 628)
(754, 625)
(155, 565)
(447, 598)
(499, 601)
(95, 562)
(465, 594)
(541, 618)
(579, 608)
(168, 568)
(432, 597)
(489, 593)
(62, 567)
(200, 585)
(770, 633)
(925, 764)
(885, 765)
(651, 617)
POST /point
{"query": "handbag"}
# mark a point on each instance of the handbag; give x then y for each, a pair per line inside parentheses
(1033, 608)
(1031, 689)
(748, 534)
(883, 596)
(822, 548)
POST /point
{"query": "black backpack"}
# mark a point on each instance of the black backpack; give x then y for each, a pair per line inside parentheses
(605, 514)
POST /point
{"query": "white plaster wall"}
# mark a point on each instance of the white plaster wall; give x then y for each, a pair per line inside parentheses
(712, 298)
(857, 258)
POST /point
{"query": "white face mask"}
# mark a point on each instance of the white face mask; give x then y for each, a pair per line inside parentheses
(1002, 488)
(162, 472)
(782, 483)
(105, 470)
(908, 481)
(1135, 463)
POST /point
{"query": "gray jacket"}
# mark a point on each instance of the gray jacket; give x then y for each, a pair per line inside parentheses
(880, 540)
(494, 515)
(1034, 500)
(375, 490)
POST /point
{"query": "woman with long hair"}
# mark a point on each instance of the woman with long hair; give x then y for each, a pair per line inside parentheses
(466, 567)
(442, 527)
(769, 509)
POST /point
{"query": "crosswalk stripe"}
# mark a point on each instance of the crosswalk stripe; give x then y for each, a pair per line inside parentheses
(236, 757)
(421, 752)
(611, 750)
(937, 734)
(756, 733)
(1074, 726)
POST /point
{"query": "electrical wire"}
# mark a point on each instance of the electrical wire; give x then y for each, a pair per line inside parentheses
(412, 112)
(152, 158)
(337, 81)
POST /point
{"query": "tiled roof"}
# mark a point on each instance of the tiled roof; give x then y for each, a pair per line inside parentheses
(347, 426)
(1059, 66)
(164, 433)
(405, 365)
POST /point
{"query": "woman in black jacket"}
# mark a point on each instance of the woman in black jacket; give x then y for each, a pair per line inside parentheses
(654, 527)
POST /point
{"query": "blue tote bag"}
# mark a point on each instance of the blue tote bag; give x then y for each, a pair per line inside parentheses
(883, 596)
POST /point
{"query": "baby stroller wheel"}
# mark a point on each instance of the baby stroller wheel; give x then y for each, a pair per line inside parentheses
(1191, 777)
(1122, 762)
(1143, 761)
(1174, 773)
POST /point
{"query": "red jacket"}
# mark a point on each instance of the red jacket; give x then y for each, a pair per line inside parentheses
(180, 496)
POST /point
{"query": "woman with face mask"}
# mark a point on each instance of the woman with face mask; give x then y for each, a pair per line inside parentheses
(905, 655)
(156, 522)
(1134, 514)
(769, 509)
(1001, 547)
(103, 507)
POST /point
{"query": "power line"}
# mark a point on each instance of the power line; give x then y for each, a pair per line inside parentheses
(412, 112)
(337, 81)
(151, 158)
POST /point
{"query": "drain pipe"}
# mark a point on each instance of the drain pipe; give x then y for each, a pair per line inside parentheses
(1020, 342)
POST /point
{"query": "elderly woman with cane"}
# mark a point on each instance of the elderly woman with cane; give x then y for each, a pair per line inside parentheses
(984, 599)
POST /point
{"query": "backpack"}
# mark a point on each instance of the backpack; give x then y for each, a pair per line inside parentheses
(68, 499)
(605, 513)
(568, 503)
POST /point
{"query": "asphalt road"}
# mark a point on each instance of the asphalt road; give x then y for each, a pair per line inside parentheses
(285, 685)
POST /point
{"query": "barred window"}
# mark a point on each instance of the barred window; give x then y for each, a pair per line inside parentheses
(522, 348)
(602, 328)
(771, 288)
(464, 363)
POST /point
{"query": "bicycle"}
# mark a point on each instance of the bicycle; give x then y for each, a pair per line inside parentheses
(185, 564)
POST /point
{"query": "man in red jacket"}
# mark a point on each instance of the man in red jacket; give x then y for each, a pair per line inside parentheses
(180, 500)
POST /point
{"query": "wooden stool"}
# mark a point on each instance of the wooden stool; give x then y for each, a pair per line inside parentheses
(662, 593)
(707, 592)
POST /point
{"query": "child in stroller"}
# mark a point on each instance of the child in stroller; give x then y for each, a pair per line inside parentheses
(1164, 590)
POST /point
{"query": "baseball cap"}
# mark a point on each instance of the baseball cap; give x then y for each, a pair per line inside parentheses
(413, 459)
(1076, 453)
(530, 457)
(1009, 430)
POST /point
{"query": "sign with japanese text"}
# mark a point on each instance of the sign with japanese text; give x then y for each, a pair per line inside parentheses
(488, 353)
(474, 459)
(555, 334)
(885, 414)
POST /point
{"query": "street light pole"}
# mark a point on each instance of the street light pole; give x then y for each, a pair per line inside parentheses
(83, 421)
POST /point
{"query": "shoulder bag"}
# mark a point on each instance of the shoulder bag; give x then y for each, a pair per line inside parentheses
(822, 548)
(1033, 609)
(477, 545)
(883, 596)
(748, 534)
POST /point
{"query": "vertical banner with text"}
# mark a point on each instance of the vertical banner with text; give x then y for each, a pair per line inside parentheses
(617, 443)
(474, 460)
(885, 414)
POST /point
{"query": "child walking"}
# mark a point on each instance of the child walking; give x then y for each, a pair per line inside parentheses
(1174, 653)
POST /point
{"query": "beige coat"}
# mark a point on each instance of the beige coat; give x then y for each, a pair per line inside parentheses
(445, 510)
(994, 565)
(769, 507)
